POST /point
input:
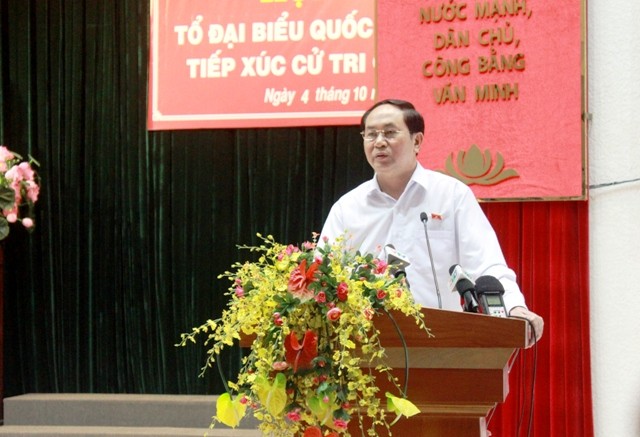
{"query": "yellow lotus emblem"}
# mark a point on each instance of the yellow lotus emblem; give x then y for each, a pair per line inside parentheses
(476, 167)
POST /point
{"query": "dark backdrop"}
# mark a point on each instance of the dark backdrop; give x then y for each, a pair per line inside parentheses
(133, 227)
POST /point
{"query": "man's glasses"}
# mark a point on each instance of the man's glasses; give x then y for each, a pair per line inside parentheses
(387, 134)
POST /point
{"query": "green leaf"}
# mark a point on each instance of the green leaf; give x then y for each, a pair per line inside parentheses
(273, 396)
(400, 406)
(323, 411)
(7, 197)
(4, 228)
(230, 411)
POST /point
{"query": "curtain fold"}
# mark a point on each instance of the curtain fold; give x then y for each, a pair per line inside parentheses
(133, 227)
(547, 244)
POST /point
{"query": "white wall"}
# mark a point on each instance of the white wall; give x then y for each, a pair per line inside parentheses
(614, 214)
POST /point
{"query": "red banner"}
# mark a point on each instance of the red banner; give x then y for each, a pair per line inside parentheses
(500, 84)
(260, 63)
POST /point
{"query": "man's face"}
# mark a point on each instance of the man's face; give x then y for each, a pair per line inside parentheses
(394, 151)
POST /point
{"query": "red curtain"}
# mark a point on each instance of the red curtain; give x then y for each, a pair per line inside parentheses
(546, 243)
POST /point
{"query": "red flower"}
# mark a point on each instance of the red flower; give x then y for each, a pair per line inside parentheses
(312, 431)
(277, 319)
(334, 314)
(300, 356)
(300, 279)
(381, 294)
(342, 291)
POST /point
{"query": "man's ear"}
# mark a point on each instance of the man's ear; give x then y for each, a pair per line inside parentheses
(417, 141)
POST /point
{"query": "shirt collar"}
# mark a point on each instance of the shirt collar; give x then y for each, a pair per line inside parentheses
(419, 176)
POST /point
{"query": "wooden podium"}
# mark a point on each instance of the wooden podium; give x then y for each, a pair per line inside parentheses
(455, 378)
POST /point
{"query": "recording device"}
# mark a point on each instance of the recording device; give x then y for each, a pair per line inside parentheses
(397, 262)
(424, 218)
(489, 291)
(460, 281)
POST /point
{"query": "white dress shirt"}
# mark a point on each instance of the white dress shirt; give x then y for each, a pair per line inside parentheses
(459, 233)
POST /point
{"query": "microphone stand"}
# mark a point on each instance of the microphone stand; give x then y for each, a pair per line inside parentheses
(424, 218)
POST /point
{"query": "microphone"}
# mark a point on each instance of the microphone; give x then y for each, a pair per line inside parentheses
(489, 291)
(397, 262)
(424, 219)
(460, 281)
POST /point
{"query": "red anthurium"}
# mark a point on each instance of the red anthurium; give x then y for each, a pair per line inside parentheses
(300, 279)
(312, 431)
(299, 355)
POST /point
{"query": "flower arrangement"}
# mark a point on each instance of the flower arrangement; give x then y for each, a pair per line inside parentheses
(19, 189)
(315, 356)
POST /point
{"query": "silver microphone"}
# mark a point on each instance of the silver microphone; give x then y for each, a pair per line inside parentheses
(424, 218)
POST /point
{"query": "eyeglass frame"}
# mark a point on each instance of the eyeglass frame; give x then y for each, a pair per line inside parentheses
(385, 134)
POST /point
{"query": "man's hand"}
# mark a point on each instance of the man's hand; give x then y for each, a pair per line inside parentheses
(536, 322)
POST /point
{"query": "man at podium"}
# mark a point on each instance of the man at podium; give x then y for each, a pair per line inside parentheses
(429, 220)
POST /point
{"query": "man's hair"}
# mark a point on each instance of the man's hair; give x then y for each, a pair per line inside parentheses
(412, 118)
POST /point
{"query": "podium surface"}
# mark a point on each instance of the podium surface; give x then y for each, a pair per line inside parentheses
(458, 376)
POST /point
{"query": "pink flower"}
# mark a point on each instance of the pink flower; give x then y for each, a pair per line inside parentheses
(27, 222)
(381, 266)
(321, 297)
(280, 366)
(22, 176)
(291, 249)
(26, 170)
(5, 155)
(239, 291)
(13, 174)
(368, 313)
(12, 217)
(340, 423)
(33, 190)
(342, 291)
(16, 186)
(381, 294)
(20, 172)
(294, 415)
(334, 314)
